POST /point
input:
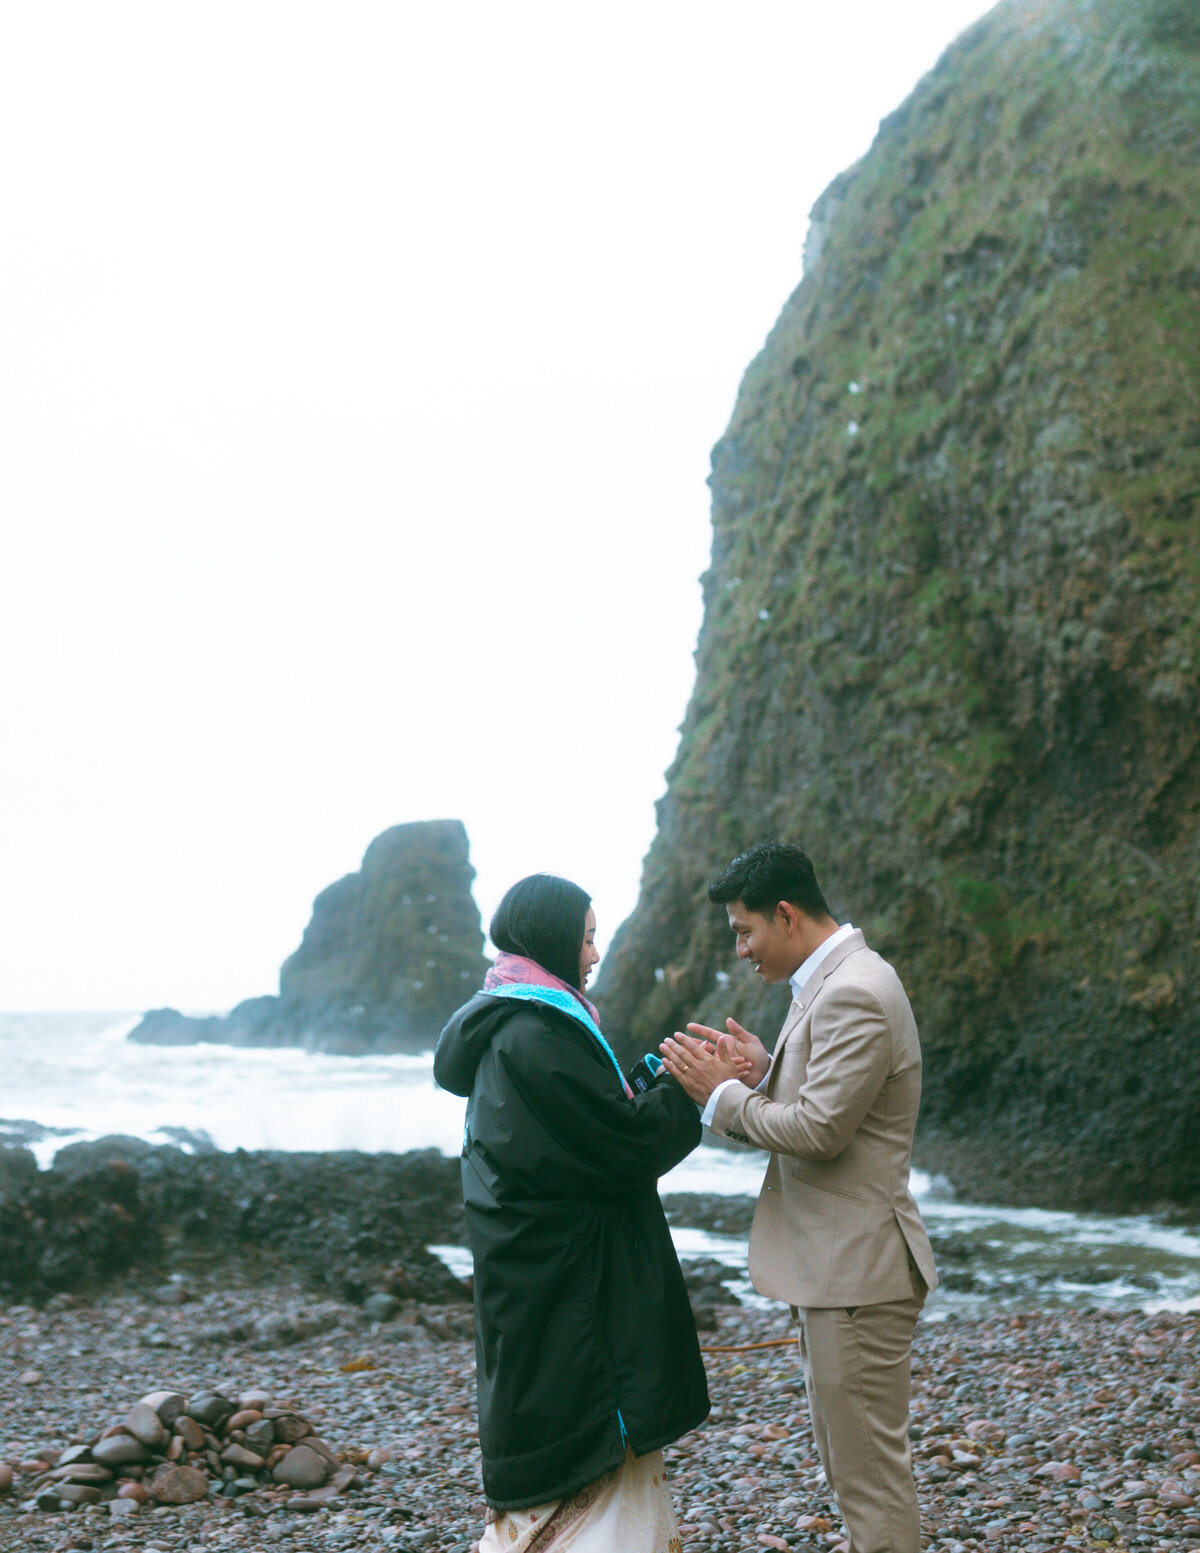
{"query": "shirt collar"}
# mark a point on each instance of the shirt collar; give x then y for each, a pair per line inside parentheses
(800, 976)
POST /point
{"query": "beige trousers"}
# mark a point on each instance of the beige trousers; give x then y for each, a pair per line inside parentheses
(857, 1374)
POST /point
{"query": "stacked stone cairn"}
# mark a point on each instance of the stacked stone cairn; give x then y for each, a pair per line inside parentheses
(174, 1450)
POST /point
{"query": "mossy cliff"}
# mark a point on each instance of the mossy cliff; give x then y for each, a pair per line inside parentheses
(952, 634)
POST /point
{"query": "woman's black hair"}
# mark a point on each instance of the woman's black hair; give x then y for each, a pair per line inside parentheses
(543, 917)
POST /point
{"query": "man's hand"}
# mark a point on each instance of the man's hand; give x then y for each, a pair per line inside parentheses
(750, 1058)
(697, 1066)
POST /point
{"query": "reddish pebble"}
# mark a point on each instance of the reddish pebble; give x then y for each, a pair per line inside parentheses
(1060, 1471)
(190, 1432)
(133, 1491)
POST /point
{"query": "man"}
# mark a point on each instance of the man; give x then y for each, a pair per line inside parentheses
(836, 1233)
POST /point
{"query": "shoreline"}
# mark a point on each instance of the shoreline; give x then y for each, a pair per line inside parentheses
(1031, 1433)
(124, 1213)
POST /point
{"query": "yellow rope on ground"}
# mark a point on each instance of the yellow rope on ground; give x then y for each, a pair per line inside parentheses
(776, 1342)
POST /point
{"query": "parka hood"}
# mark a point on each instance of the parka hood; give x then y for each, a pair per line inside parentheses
(467, 1035)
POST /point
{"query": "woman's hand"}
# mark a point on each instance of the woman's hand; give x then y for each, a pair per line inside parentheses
(745, 1053)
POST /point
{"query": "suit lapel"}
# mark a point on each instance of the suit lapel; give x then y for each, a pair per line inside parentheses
(794, 1015)
(809, 991)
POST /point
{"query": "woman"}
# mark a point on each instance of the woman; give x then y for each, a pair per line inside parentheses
(587, 1359)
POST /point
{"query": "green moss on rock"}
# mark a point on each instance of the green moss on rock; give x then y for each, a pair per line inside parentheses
(950, 636)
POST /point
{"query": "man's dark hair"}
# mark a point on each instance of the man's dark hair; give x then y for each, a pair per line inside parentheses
(542, 917)
(767, 873)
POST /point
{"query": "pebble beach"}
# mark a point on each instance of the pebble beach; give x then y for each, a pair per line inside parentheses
(1031, 1432)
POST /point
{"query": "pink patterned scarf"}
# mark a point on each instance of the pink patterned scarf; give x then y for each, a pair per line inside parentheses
(524, 976)
(510, 968)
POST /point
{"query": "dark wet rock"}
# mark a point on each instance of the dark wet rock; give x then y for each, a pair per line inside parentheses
(708, 1281)
(389, 953)
(119, 1150)
(18, 1167)
(356, 1224)
(15, 1132)
(67, 1232)
(708, 1210)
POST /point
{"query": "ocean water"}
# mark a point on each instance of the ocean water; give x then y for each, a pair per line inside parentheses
(70, 1077)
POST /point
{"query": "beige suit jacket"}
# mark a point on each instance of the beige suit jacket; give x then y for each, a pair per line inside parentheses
(836, 1221)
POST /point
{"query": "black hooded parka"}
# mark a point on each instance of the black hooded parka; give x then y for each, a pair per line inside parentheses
(584, 1334)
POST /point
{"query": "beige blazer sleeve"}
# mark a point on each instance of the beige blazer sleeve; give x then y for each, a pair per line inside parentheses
(850, 1055)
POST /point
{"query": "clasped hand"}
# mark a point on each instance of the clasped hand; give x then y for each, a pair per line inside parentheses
(705, 1058)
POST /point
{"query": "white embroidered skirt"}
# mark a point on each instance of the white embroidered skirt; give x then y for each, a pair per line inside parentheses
(626, 1511)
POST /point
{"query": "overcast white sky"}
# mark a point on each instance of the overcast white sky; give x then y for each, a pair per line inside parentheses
(359, 367)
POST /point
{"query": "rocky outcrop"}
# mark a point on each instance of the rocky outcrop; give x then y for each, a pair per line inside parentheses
(343, 1223)
(952, 629)
(389, 954)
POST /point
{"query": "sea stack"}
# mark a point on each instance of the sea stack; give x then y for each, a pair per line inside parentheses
(388, 954)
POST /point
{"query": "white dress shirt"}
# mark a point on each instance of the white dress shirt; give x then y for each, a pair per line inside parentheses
(798, 978)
